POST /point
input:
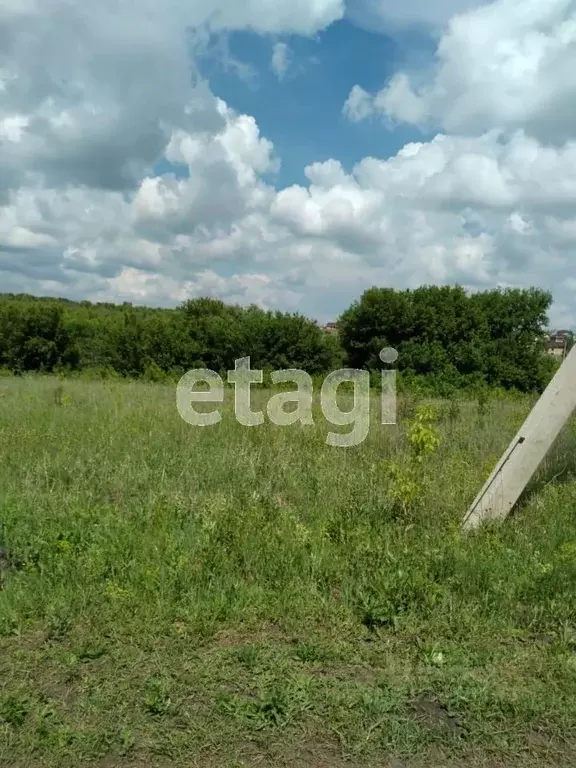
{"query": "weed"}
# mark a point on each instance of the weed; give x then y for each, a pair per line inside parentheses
(14, 709)
(404, 488)
(278, 703)
(423, 437)
(157, 699)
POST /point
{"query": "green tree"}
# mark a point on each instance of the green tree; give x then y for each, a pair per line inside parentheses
(33, 337)
(453, 339)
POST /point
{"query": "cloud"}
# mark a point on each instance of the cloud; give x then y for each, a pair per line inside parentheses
(397, 100)
(281, 57)
(510, 64)
(90, 93)
(389, 15)
(488, 201)
(476, 210)
(359, 105)
(132, 284)
(482, 211)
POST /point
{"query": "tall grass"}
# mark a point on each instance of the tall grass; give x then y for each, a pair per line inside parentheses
(162, 562)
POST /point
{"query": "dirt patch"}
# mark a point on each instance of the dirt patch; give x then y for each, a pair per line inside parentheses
(31, 641)
(313, 751)
(432, 714)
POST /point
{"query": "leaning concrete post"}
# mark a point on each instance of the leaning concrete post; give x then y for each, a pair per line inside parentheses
(527, 450)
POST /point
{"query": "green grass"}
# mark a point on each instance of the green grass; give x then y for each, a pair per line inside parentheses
(235, 596)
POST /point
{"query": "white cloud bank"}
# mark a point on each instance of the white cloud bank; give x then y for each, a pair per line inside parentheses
(89, 105)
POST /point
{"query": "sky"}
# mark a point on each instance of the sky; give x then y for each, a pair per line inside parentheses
(287, 153)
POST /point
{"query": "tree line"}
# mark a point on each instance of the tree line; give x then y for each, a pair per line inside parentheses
(446, 339)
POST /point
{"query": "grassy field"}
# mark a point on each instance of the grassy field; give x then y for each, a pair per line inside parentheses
(232, 596)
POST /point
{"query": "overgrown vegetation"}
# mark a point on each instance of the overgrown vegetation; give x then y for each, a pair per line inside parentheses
(231, 596)
(447, 340)
(451, 339)
(106, 339)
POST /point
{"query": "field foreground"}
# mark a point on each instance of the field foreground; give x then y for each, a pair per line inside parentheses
(233, 596)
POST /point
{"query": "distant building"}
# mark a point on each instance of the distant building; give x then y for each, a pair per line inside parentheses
(330, 328)
(559, 343)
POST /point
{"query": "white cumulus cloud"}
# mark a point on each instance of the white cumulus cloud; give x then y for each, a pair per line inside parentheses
(510, 64)
(92, 96)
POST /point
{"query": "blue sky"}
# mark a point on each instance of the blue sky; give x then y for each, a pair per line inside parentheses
(302, 113)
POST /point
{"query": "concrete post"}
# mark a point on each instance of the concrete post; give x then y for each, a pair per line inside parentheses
(528, 448)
